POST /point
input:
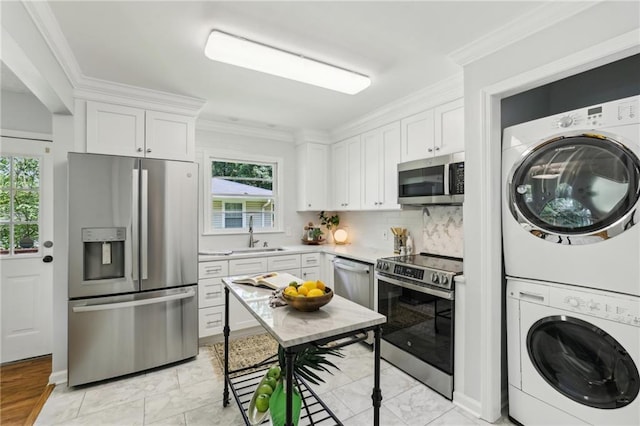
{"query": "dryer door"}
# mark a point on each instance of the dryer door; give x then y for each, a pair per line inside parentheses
(583, 362)
(576, 189)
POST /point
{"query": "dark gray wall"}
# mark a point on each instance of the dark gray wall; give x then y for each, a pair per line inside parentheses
(609, 82)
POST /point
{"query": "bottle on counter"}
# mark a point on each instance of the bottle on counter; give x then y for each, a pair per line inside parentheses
(409, 243)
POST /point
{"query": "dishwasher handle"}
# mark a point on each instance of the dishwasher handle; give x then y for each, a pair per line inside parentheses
(348, 267)
(133, 303)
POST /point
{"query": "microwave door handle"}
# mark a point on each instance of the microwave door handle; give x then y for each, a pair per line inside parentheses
(448, 179)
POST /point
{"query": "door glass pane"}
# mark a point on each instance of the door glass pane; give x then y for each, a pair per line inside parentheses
(27, 172)
(5, 241)
(5, 205)
(583, 362)
(26, 206)
(577, 185)
(5, 172)
(27, 238)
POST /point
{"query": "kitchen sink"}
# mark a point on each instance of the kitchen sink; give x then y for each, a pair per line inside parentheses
(242, 251)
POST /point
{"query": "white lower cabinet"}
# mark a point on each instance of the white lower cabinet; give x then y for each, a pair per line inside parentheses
(326, 269)
(211, 297)
(210, 320)
(310, 274)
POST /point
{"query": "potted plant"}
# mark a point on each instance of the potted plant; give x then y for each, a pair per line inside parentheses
(331, 222)
(307, 360)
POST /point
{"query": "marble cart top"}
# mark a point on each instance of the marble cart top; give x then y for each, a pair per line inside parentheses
(291, 327)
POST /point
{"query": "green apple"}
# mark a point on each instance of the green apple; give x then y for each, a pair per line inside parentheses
(271, 381)
(274, 372)
(262, 402)
(265, 389)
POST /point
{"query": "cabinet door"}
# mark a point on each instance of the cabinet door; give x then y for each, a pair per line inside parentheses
(354, 173)
(170, 136)
(339, 175)
(372, 164)
(239, 316)
(311, 274)
(210, 292)
(417, 136)
(247, 266)
(312, 176)
(449, 127)
(115, 129)
(390, 154)
(326, 270)
(281, 263)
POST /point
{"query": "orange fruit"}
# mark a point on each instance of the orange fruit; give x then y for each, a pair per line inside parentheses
(315, 292)
(320, 285)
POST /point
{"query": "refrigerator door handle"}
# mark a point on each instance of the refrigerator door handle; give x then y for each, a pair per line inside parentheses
(109, 306)
(144, 224)
(135, 228)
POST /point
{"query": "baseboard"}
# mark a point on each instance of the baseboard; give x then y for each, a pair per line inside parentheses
(250, 331)
(58, 377)
(467, 403)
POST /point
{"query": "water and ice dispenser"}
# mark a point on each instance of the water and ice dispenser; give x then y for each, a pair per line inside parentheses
(103, 253)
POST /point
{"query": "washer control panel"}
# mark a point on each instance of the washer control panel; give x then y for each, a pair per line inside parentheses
(623, 111)
(622, 309)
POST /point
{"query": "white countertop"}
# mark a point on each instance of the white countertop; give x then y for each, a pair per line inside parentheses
(361, 253)
(291, 327)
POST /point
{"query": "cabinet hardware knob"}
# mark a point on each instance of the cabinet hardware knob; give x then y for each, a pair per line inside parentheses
(430, 150)
(148, 149)
(437, 148)
(308, 205)
(139, 149)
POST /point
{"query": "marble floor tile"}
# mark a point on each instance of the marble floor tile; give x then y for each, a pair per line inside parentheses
(63, 404)
(187, 398)
(419, 405)
(127, 414)
(456, 417)
(387, 418)
(338, 407)
(196, 371)
(177, 420)
(129, 389)
(215, 415)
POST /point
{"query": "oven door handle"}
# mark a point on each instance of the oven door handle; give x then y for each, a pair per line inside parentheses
(444, 294)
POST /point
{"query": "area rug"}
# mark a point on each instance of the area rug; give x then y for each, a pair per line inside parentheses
(244, 352)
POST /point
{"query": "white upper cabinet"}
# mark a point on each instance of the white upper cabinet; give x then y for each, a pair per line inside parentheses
(312, 169)
(121, 130)
(346, 173)
(380, 155)
(437, 131)
(449, 127)
(417, 136)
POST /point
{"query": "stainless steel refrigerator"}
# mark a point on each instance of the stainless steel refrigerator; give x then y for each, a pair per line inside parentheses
(133, 271)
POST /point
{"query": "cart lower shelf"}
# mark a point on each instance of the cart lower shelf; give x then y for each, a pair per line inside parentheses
(313, 411)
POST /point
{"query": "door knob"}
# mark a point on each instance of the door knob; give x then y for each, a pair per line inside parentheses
(48, 244)
(47, 259)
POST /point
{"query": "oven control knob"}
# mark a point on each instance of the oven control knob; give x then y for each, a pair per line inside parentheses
(434, 278)
(385, 266)
(444, 279)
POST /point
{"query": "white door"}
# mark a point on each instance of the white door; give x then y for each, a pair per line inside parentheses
(26, 229)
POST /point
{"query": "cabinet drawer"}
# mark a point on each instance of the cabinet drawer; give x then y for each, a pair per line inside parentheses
(210, 321)
(294, 272)
(210, 292)
(213, 269)
(311, 274)
(280, 263)
(247, 266)
(310, 259)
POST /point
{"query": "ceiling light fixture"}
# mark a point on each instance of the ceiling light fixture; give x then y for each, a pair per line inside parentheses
(244, 53)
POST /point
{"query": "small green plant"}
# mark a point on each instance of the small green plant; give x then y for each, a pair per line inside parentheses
(310, 358)
(329, 221)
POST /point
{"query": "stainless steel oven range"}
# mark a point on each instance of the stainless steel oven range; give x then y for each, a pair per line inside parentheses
(416, 293)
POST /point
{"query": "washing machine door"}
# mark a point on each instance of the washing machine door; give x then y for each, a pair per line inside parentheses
(583, 362)
(576, 189)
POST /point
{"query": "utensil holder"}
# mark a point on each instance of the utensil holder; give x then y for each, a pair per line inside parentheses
(398, 243)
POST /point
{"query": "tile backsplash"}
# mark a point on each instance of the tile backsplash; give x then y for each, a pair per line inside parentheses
(439, 231)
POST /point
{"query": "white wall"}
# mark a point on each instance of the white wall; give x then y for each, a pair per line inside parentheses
(24, 112)
(481, 329)
(292, 220)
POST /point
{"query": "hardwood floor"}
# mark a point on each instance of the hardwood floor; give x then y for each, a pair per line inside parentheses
(23, 390)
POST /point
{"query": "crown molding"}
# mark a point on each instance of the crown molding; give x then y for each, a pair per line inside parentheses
(540, 18)
(315, 136)
(95, 89)
(90, 88)
(244, 130)
(436, 94)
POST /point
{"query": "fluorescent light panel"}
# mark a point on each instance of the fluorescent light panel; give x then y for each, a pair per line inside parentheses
(244, 53)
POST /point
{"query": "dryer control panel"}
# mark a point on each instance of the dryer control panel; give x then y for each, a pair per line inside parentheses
(621, 112)
(622, 309)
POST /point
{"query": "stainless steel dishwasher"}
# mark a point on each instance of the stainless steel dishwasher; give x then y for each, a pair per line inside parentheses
(353, 280)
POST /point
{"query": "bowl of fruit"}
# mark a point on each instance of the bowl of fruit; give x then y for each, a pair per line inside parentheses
(308, 296)
(259, 404)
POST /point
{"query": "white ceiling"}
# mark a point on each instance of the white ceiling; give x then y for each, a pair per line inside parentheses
(402, 46)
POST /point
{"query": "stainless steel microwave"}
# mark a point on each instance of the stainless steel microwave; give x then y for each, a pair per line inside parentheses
(437, 180)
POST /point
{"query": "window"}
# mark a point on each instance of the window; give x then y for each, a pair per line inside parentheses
(19, 205)
(241, 192)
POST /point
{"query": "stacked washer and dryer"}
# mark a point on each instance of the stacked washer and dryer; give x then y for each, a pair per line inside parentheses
(571, 185)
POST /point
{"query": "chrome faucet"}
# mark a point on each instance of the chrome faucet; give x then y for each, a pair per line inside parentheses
(252, 242)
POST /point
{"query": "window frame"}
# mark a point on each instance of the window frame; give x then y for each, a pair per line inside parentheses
(240, 157)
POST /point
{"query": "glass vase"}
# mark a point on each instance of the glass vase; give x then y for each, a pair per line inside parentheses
(278, 405)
